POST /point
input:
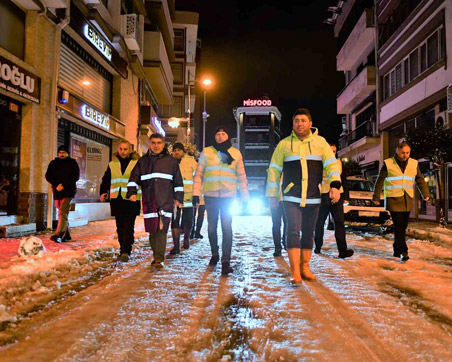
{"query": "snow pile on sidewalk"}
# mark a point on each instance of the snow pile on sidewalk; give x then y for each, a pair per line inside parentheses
(29, 284)
(430, 231)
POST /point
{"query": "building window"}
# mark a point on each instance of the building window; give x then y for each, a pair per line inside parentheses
(178, 73)
(179, 40)
(425, 56)
(12, 34)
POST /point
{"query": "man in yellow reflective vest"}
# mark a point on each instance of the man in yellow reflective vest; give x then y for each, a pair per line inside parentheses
(184, 216)
(220, 171)
(114, 182)
(303, 157)
(398, 176)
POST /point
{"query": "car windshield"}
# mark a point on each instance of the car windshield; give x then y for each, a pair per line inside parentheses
(358, 185)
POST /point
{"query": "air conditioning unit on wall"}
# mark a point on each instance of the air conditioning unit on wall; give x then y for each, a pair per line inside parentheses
(133, 31)
(441, 120)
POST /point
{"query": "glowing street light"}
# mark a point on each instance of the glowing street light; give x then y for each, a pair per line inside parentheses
(86, 82)
(173, 122)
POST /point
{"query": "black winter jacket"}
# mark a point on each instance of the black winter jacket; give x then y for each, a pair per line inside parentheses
(66, 172)
(158, 191)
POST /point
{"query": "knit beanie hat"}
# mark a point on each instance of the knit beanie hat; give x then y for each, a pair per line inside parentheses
(222, 129)
(178, 146)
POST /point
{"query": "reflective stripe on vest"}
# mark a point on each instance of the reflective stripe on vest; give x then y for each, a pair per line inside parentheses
(325, 188)
(218, 175)
(398, 182)
(119, 181)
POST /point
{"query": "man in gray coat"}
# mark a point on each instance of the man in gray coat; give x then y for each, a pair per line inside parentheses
(398, 176)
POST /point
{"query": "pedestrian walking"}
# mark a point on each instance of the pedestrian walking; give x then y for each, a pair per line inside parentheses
(398, 176)
(303, 156)
(337, 212)
(220, 171)
(198, 218)
(278, 214)
(183, 217)
(114, 188)
(63, 173)
(162, 188)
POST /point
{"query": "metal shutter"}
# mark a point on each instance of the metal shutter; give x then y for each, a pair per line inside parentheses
(73, 71)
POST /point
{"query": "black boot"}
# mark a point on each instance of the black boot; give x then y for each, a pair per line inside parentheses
(186, 238)
(67, 235)
(57, 238)
(176, 236)
(214, 260)
(346, 253)
(226, 268)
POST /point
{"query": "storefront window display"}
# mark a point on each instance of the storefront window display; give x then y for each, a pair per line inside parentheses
(92, 158)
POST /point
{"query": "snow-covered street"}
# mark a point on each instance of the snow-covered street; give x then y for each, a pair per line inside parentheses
(369, 307)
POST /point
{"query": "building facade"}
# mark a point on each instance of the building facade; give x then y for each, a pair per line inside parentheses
(84, 74)
(414, 60)
(354, 28)
(259, 131)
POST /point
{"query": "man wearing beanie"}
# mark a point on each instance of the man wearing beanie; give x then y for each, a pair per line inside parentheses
(220, 171)
(63, 173)
(184, 216)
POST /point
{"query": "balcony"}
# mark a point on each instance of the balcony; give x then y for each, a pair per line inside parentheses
(357, 90)
(157, 67)
(159, 12)
(360, 41)
(363, 137)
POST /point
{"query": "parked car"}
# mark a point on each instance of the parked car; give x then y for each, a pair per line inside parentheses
(358, 204)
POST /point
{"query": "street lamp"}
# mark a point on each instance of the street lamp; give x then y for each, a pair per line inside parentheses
(207, 82)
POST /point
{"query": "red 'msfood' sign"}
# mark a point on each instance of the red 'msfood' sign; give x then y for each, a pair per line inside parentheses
(257, 102)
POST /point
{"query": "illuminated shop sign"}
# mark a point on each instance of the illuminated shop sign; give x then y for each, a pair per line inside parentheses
(97, 40)
(19, 81)
(158, 126)
(94, 116)
(257, 102)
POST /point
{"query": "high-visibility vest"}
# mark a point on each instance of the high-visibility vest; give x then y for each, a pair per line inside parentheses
(119, 181)
(325, 188)
(219, 176)
(398, 182)
(187, 168)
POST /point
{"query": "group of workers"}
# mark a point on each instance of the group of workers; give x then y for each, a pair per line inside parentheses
(303, 187)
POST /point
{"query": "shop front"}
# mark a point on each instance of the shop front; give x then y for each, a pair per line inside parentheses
(10, 129)
(90, 135)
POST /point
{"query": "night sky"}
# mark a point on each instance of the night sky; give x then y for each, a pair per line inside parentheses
(268, 48)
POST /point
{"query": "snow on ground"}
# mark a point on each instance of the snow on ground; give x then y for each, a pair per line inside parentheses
(368, 307)
(29, 284)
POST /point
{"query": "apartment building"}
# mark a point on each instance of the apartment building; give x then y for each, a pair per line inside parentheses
(185, 26)
(356, 38)
(83, 73)
(414, 60)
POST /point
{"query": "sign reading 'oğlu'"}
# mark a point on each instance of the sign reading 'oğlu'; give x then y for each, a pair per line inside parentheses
(97, 40)
(257, 102)
(94, 116)
(19, 81)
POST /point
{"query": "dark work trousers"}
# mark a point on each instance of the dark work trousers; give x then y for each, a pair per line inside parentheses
(277, 215)
(125, 225)
(198, 219)
(300, 219)
(400, 220)
(158, 244)
(220, 206)
(183, 219)
(337, 212)
(63, 206)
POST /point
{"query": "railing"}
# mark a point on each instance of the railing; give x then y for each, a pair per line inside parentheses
(367, 129)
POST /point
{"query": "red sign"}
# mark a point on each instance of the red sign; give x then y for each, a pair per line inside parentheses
(257, 103)
(13, 107)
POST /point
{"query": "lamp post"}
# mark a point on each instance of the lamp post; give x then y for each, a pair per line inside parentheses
(206, 82)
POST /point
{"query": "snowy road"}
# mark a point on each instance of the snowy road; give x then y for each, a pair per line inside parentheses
(370, 307)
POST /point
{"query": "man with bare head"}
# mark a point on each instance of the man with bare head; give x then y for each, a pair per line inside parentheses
(114, 183)
(398, 176)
